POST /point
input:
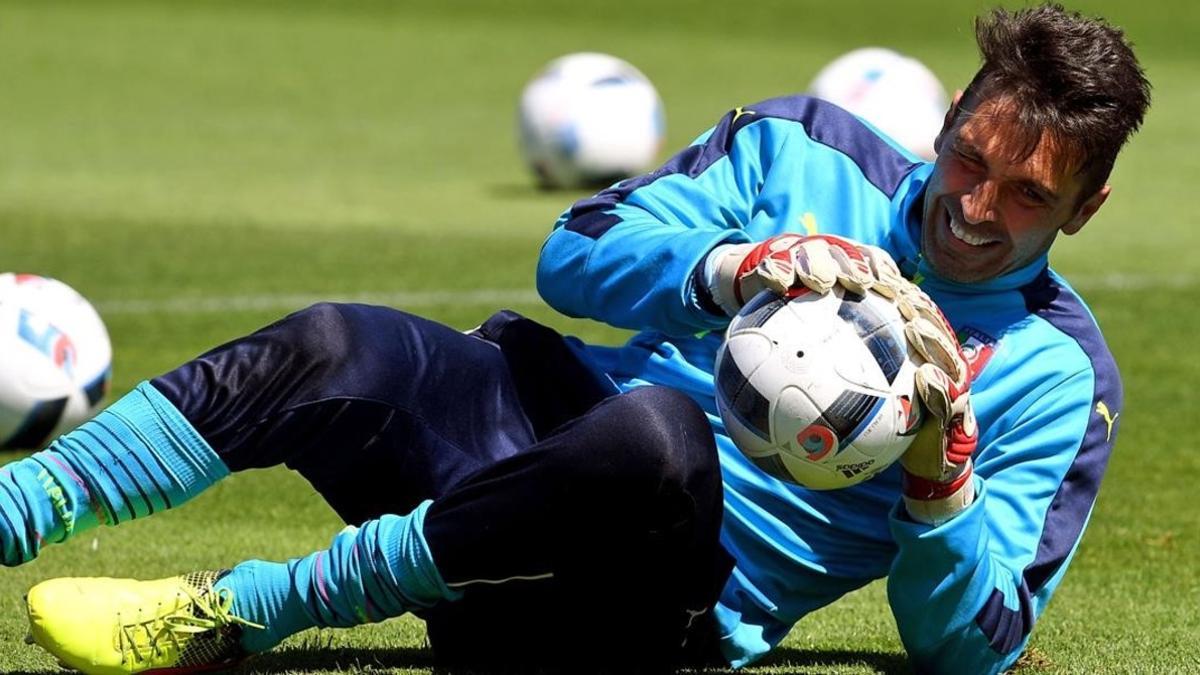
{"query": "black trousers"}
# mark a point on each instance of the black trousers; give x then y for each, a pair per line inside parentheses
(580, 524)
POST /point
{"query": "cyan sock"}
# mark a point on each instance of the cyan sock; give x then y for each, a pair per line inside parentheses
(138, 456)
(370, 573)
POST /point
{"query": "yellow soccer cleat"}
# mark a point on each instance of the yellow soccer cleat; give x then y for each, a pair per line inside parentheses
(124, 626)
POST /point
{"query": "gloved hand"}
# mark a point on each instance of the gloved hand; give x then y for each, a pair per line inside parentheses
(937, 466)
(788, 262)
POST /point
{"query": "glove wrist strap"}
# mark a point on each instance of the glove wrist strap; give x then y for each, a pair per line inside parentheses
(933, 502)
(722, 276)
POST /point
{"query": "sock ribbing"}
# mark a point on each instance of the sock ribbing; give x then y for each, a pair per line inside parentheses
(370, 573)
(136, 457)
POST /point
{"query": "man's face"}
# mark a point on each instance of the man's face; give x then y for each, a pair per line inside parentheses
(986, 214)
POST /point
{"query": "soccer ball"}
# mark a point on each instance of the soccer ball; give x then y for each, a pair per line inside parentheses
(897, 94)
(589, 119)
(55, 360)
(818, 389)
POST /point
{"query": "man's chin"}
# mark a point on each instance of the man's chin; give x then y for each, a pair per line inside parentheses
(949, 268)
(957, 261)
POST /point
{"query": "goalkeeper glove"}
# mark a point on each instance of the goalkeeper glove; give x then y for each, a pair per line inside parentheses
(937, 466)
(786, 262)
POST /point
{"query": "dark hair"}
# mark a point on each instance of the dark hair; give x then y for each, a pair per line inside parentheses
(1065, 76)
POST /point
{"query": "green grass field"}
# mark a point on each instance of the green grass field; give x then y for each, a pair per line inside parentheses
(199, 169)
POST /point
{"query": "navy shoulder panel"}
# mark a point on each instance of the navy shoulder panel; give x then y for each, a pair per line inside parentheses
(1051, 301)
(1005, 628)
(1046, 298)
(884, 166)
(827, 124)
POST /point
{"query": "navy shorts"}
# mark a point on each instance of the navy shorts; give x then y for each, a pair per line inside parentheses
(577, 521)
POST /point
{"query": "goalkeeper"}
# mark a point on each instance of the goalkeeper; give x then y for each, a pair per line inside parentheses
(535, 499)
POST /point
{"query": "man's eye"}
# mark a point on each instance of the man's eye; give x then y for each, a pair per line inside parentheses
(1032, 196)
(970, 160)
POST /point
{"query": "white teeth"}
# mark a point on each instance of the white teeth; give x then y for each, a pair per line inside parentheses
(969, 237)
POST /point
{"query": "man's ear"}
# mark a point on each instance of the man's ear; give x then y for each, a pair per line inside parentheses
(948, 121)
(1086, 210)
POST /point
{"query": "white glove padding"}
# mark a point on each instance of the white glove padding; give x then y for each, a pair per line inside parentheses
(937, 481)
(888, 281)
(791, 261)
(948, 439)
(943, 385)
(929, 333)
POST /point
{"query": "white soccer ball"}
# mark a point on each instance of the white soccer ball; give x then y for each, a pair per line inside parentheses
(55, 360)
(588, 119)
(818, 389)
(897, 94)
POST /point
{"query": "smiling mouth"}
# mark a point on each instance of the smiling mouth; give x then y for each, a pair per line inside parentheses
(964, 235)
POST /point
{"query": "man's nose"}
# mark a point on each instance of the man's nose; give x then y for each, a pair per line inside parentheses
(978, 205)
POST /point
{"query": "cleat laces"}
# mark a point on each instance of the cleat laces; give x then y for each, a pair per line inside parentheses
(148, 639)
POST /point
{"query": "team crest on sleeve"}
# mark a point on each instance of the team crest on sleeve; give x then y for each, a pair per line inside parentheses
(977, 348)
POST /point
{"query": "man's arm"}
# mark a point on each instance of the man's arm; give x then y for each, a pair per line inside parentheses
(631, 256)
(967, 593)
(627, 256)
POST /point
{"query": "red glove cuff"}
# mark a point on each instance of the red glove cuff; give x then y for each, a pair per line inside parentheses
(916, 487)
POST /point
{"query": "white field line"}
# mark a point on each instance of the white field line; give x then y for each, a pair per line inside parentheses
(500, 297)
(288, 301)
(1132, 282)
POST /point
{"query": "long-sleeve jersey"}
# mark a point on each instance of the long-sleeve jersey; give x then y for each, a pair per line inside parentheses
(1046, 391)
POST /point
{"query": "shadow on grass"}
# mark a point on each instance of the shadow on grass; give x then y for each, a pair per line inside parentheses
(782, 661)
(792, 660)
(308, 658)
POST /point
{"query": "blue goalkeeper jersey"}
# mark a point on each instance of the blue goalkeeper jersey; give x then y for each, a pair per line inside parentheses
(965, 594)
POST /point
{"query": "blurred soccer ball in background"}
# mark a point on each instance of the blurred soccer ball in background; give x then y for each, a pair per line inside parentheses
(55, 360)
(588, 119)
(897, 94)
(819, 389)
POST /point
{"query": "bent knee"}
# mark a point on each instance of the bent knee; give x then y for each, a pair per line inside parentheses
(662, 432)
(316, 335)
(330, 333)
